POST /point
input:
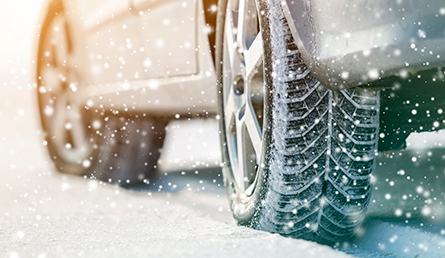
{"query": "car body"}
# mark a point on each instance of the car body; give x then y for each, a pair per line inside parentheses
(345, 44)
(120, 53)
(355, 42)
(306, 93)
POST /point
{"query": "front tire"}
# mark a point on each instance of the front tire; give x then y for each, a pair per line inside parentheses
(298, 158)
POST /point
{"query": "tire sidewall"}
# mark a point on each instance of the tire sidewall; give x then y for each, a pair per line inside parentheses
(248, 212)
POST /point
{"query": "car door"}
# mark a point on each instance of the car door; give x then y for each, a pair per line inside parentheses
(168, 33)
(112, 43)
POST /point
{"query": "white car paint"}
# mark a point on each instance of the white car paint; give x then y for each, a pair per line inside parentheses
(112, 40)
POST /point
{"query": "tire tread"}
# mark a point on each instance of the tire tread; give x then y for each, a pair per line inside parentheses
(323, 156)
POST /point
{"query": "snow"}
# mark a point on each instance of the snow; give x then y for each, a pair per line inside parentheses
(48, 214)
(185, 213)
(91, 219)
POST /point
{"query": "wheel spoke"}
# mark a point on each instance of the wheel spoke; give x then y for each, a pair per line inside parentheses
(59, 120)
(78, 132)
(254, 130)
(236, 65)
(52, 78)
(241, 30)
(60, 42)
(240, 171)
(229, 111)
(254, 57)
(237, 68)
(247, 24)
(232, 101)
(229, 33)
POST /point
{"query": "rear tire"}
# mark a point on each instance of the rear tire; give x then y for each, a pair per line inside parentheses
(128, 149)
(309, 177)
(82, 139)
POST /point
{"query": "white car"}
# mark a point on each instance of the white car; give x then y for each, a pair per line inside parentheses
(295, 85)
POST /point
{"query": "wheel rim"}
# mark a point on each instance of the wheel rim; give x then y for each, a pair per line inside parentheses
(60, 98)
(243, 93)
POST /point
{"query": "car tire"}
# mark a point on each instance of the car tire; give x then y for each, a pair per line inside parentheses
(81, 139)
(298, 157)
(128, 149)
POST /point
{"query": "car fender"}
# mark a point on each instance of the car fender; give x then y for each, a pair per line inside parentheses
(348, 43)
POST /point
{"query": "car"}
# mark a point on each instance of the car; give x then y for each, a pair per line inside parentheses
(307, 92)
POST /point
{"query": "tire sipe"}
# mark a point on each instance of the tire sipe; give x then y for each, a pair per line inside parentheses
(121, 149)
(298, 157)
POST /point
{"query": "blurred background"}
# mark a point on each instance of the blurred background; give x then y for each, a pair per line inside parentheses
(409, 185)
(22, 147)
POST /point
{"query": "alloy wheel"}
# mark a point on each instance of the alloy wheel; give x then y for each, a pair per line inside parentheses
(243, 92)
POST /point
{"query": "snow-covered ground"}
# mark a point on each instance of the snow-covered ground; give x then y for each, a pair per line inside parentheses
(46, 214)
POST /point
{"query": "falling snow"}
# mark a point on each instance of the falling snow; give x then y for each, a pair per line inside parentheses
(183, 211)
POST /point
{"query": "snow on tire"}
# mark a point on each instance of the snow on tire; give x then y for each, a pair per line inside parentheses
(309, 176)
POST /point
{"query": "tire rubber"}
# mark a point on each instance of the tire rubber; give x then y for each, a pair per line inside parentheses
(319, 146)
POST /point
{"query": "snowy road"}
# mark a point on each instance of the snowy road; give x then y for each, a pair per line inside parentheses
(46, 214)
(185, 212)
